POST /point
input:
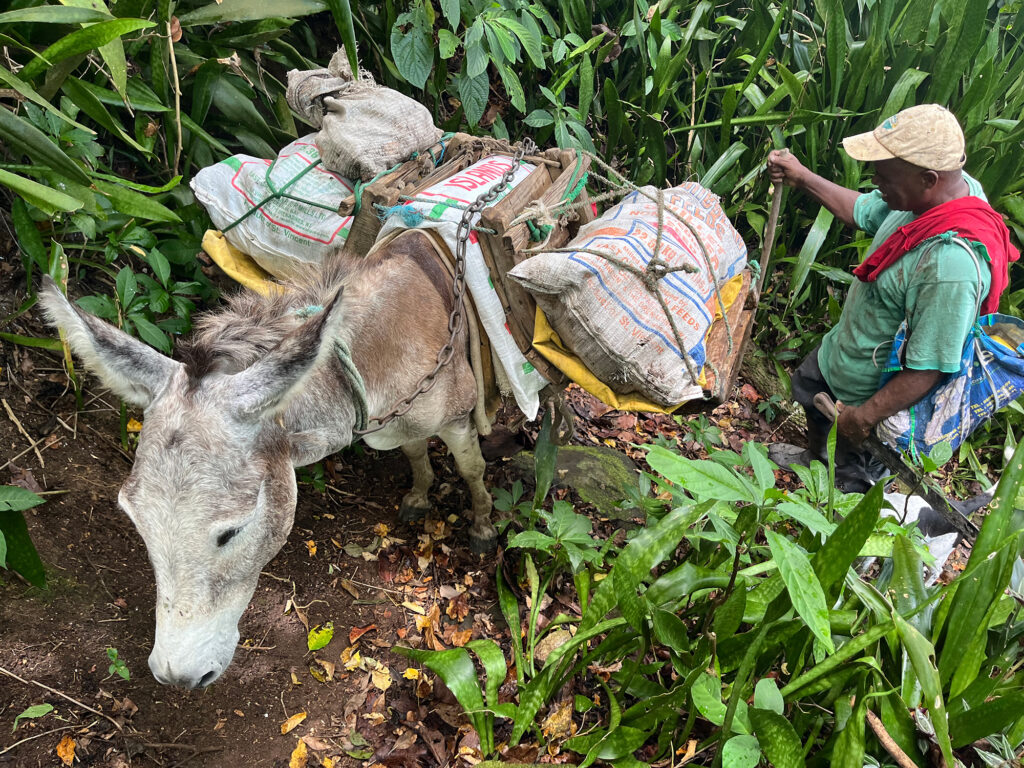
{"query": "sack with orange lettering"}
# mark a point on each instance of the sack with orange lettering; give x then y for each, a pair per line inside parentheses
(606, 315)
(440, 207)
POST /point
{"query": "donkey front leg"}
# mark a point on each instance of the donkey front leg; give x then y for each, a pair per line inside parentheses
(416, 504)
(461, 439)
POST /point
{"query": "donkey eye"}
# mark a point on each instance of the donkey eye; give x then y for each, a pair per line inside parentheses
(227, 536)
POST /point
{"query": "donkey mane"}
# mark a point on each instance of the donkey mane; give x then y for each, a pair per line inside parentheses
(232, 337)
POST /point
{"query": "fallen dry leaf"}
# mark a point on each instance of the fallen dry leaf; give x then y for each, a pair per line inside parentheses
(292, 721)
(311, 546)
(411, 673)
(348, 587)
(300, 756)
(327, 763)
(381, 530)
(66, 750)
(358, 632)
(414, 607)
(317, 745)
(175, 29)
(381, 678)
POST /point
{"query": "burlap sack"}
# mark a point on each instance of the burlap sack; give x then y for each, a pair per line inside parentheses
(365, 129)
(606, 315)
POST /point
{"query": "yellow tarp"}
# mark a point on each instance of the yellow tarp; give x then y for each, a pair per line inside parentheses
(237, 265)
(547, 342)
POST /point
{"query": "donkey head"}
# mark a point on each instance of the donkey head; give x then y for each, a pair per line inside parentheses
(212, 490)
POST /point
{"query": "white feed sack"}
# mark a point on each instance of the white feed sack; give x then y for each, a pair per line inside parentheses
(606, 315)
(440, 207)
(286, 234)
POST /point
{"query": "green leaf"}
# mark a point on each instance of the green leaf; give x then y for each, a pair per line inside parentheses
(703, 478)
(35, 711)
(532, 540)
(776, 734)
(741, 752)
(150, 334)
(985, 720)
(806, 515)
(456, 670)
(721, 166)
(161, 267)
(513, 86)
(29, 239)
(16, 499)
(24, 136)
(530, 40)
(413, 49)
(707, 698)
(82, 41)
(545, 458)
(803, 586)
(729, 615)
(767, 696)
(53, 14)
(922, 656)
(843, 546)
(539, 118)
(473, 93)
(319, 636)
(764, 468)
(848, 751)
(21, 552)
(44, 198)
(341, 10)
(447, 43)
(452, 12)
(132, 203)
(670, 630)
(809, 250)
(236, 11)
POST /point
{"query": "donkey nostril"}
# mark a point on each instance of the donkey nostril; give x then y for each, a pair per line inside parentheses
(206, 679)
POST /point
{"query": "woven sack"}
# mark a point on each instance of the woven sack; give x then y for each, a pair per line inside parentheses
(606, 315)
(365, 129)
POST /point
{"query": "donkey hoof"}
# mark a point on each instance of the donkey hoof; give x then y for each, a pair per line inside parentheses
(410, 513)
(483, 543)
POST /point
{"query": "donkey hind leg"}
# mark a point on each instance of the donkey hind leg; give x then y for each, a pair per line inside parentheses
(416, 504)
(461, 439)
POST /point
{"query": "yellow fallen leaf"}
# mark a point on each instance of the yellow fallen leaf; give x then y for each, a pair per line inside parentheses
(380, 529)
(134, 425)
(292, 721)
(411, 674)
(311, 546)
(354, 662)
(374, 717)
(414, 607)
(327, 763)
(300, 757)
(381, 678)
(66, 750)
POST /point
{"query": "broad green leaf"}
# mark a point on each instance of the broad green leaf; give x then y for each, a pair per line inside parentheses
(777, 737)
(623, 741)
(161, 267)
(530, 41)
(532, 540)
(341, 10)
(16, 499)
(848, 751)
(452, 12)
(741, 752)
(843, 546)
(670, 630)
(703, 478)
(809, 250)
(112, 52)
(764, 468)
(902, 92)
(473, 93)
(35, 711)
(803, 586)
(20, 134)
(456, 670)
(84, 98)
(318, 637)
(447, 43)
(151, 334)
(82, 41)
(29, 239)
(707, 698)
(539, 118)
(922, 656)
(53, 14)
(545, 460)
(513, 86)
(721, 166)
(413, 49)
(48, 200)
(131, 203)
(806, 515)
(21, 552)
(985, 720)
(729, 615)
(767, 696)
(237, 11)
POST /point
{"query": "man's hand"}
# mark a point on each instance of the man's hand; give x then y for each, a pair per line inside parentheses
(852, 424)
(784, 168)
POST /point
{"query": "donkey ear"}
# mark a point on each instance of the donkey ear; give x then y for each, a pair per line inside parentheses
(265, 387)
(132, 370)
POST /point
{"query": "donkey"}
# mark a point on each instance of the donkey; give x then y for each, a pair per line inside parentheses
(257, 391)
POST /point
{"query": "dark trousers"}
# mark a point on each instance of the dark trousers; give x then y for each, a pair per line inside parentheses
(856, 469)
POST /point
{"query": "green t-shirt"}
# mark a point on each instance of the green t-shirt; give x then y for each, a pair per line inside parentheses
(933, 286)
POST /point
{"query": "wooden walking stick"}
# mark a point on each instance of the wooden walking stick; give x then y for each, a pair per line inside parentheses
(768, 244)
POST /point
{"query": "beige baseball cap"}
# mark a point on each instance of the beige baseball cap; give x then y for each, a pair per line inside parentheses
(927, 136)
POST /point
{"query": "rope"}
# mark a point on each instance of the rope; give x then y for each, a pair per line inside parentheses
(355, 379)
(276, 194)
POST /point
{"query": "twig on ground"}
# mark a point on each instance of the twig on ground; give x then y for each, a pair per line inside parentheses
(10, 414)
(27, 450)
(76, 702)
(45, 733)
(895, 751)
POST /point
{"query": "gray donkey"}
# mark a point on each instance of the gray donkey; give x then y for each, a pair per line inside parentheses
(259, 390)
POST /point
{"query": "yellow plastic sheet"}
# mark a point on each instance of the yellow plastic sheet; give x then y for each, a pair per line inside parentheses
(239, 266)
(547, 342)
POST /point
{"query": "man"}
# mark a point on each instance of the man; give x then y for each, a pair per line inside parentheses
(913, 272)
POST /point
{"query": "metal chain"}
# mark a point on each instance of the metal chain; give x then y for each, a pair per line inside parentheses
(456, 319)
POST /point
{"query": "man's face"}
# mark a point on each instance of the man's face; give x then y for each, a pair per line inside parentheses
(903, 186)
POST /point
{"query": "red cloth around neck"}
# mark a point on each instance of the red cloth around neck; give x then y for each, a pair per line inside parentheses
(970, 218)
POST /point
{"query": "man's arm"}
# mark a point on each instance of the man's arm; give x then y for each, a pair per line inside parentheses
(901, 391)
(784, 168)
